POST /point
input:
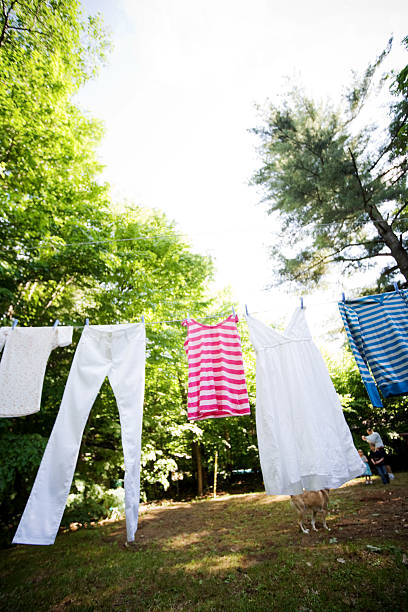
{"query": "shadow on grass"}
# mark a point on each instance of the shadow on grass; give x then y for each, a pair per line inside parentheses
(238, 552)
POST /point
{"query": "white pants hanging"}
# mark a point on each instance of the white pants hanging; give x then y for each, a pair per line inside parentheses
(116, 351)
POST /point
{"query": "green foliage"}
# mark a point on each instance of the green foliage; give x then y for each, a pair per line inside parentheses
(389, 421)
(92, 502)
(49, 196)
(20, 457)
(49, 193)
(339, 188)
(399, 124)
(66, 254)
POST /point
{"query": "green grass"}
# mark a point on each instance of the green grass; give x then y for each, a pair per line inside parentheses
(239, 552)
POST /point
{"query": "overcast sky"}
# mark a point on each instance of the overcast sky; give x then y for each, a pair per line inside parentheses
(178, 98)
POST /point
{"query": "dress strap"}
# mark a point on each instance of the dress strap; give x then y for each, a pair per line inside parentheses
(298, 327)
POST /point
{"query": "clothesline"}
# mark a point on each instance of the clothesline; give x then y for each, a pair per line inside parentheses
(214, 316)
(169, 235)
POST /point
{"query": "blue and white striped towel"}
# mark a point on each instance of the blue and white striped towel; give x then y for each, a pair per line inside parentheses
(377, 330)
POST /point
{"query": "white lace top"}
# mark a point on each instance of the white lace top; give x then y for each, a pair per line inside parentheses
(22, 367)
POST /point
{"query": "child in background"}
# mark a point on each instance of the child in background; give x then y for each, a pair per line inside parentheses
(367, 472)
(377, 458)
(373, 437)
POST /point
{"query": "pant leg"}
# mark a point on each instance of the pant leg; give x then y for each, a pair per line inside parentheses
(42, 515)
(127, 378)
(383, 473)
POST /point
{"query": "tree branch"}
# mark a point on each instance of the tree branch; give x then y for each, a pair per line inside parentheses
(352, 259)
(403, 207)
(373, 213)
(397, 166)
(6, 16)
(299, 143)
(390, 144)
(398, 178)
(332, 258)
(384, 230)
(20, 28)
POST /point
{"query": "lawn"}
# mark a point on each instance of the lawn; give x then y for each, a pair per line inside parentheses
(237, 552)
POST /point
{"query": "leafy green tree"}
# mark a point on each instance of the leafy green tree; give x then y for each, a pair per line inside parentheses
(399, 123)
(66, 254)
(339, 188)
(49, 192)
(49, 196)
(20, 457)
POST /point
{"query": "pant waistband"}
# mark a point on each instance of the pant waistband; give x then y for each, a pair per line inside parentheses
(129, 330)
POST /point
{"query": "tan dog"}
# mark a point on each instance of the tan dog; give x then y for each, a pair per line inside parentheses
(316, 501)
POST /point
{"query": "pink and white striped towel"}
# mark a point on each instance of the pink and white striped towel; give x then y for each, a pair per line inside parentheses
(216, 377)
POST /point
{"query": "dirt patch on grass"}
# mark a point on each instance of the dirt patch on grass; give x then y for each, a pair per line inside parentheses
(377, 514)
(238, 552)
(261, 524)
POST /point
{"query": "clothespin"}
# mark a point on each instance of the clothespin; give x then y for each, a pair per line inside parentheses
(301, 303)
(15, 323)
(246, 310)
(143, 319)
(86, 321)
(343, 297)
(233, 311)
(188, 317)
(55, 324)
(396, 288)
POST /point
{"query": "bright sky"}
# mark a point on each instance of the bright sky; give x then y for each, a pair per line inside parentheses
(178, 100)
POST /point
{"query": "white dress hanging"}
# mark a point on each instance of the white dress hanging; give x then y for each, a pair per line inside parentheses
(304, 441)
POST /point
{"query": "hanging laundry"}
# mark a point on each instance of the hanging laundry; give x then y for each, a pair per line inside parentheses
(25, 354)
(377, 331)
(216, 378)
(303, 439)
(115, 351)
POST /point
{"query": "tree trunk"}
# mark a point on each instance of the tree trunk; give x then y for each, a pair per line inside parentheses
(228, 461)
(215, 473)
(391, 240)
(197, 453)
(383, 228)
